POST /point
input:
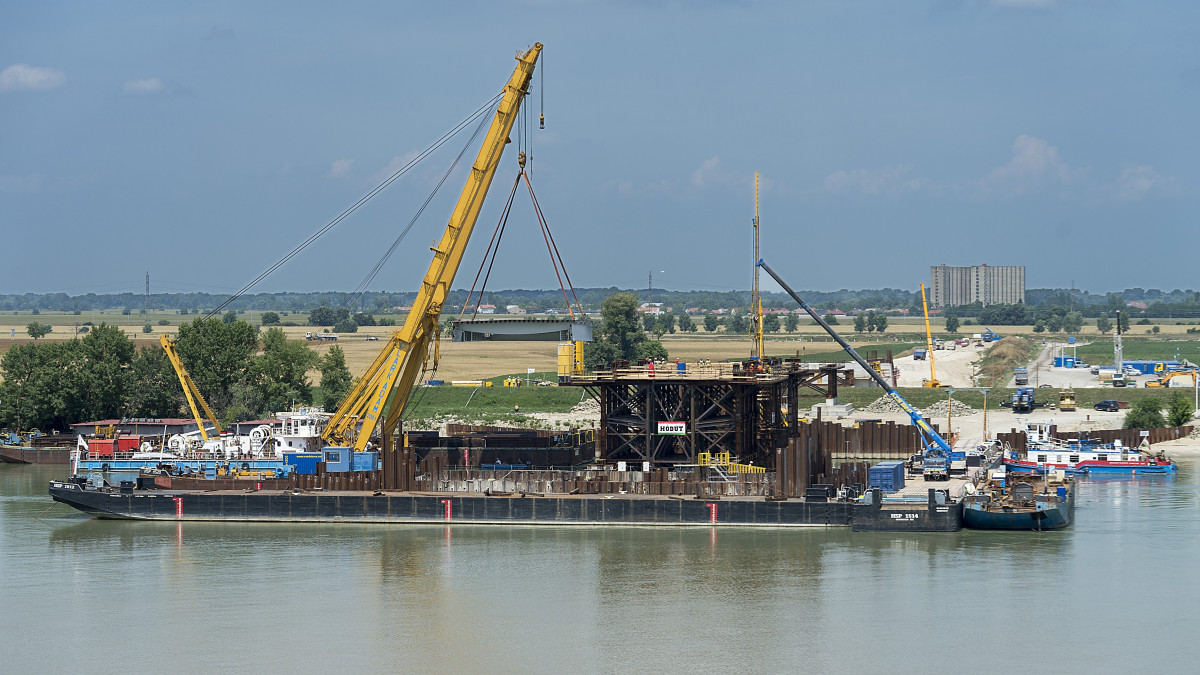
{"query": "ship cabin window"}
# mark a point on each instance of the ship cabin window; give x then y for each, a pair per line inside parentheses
(1041, 459)
(1102, 458)
(1074, 459)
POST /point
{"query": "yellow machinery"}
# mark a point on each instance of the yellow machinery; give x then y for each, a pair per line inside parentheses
(1066, 400)
(756, 313)
(1165, 380)
(189, 387)
(932, 381)
(383, 390)
(570, 360)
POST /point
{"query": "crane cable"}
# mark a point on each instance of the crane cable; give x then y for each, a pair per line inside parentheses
(492, 249)
(363, 200)
(489, 256)
(370, 276)
(552, 248)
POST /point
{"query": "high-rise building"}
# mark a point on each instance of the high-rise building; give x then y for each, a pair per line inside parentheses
(987, 285)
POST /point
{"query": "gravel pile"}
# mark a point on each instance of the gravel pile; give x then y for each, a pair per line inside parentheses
(883, 404)
(939, 410)
(588, 406)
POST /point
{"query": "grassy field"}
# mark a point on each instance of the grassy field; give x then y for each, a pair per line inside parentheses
(1142, 348)
(1084, 397)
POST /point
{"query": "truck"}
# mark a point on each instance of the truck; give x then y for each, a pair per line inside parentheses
(1022, 401)
(330, 337)
(1021, 376)
(935, 455)
(1118, 379)
(990, 335)
(919, 354)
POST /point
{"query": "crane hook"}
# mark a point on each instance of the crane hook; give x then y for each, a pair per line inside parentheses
(521, 159)
(542, 121)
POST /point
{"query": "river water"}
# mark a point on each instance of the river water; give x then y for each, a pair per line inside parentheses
(1117, 592)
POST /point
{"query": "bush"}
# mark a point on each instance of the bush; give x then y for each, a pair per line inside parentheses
(126, 312)
(345, 326)
(1179, 409)
(147, 328)
(164, 322)
(1145, 414)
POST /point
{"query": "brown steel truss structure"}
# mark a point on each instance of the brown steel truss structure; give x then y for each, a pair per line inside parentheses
(730, 410)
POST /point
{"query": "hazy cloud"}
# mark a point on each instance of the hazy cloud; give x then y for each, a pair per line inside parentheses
(1136, 182)
(392, 167)
(1025, 4)
(15, 184)
(341, 167)
(1035, 165)
(894, 180)
(150, 85)
(709, 172)
(24, 77)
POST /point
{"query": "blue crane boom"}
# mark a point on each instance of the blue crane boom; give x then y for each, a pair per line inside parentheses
(937, 450)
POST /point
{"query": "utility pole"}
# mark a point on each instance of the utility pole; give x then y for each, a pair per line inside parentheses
(146, 311)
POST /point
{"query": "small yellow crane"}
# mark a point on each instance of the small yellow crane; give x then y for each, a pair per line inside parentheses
(932, 381)
(189, 387)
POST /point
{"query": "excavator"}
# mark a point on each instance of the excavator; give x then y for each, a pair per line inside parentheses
(381, 394)
(1165, 380)
(932, 381)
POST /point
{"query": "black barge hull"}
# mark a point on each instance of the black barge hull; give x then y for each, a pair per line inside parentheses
(407, 507)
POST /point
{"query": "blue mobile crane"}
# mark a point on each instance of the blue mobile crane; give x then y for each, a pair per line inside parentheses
(935, 464)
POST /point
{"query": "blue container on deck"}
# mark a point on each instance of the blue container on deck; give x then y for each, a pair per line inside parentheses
(364, 461)
(303, 462)
(337, 460)
(887, 476)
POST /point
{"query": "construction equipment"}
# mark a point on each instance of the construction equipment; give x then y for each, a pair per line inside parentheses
(932, 381)
(990, 335)
(1066, 400)
(383, 390)
(1020, 376)
(756, 311)
(189, 388)
(1165, 380)
(936, 454)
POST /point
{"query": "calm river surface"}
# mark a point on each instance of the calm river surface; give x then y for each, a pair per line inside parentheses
(1118, 592)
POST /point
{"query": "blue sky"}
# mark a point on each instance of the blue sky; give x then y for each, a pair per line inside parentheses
(202, 141)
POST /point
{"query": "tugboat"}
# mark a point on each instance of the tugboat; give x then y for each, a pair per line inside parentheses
(1024, 502)
(1083, 456)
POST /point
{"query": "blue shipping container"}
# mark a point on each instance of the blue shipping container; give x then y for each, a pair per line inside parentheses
(887, 476)
(304, 462)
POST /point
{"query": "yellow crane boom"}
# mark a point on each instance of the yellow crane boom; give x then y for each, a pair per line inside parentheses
(189, 387)
(384, 388)
(932, 381)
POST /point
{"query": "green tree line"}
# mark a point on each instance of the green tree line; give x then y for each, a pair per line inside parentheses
(243, 374)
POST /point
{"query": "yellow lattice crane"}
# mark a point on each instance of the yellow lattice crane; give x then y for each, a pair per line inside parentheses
(383, 390)
(932, 381)
(189, 387)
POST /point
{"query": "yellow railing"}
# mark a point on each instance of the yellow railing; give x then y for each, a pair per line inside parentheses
(723, 461)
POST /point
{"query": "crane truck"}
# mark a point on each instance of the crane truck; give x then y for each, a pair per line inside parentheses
(935, 456)
(932, 381)
(383, 391)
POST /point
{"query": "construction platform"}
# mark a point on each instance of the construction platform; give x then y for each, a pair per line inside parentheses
(670, 414)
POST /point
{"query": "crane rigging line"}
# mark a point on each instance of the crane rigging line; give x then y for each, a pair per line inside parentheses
(370, 276)
(489, 256)
(362, 200)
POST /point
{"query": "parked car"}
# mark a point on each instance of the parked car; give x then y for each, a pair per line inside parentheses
(1043, 386)
(1107, 406)
(372, 338)
(1081, 364)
